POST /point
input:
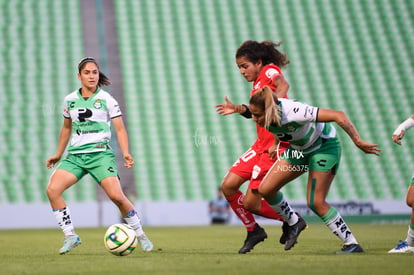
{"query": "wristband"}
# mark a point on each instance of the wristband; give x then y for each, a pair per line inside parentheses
(407, 124)
(247, 113)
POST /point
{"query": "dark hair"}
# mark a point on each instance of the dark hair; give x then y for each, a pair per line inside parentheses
(103, 79)
(265, 51)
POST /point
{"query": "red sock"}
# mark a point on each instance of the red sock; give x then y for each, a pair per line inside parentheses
(236, 203)
(268, 212)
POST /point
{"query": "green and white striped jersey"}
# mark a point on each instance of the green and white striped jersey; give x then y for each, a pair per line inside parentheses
(299, 126)
(91, 120)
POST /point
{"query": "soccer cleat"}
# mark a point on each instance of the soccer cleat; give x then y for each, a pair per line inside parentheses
(350, 248)
(292, 232)
(69, 243)
(253, 237)
(283, 237)
(402, 247)
(145, 243)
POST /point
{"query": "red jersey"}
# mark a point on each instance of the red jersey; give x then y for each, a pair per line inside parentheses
(265, 139)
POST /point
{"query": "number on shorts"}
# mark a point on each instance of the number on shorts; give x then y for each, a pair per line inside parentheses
(248, 155)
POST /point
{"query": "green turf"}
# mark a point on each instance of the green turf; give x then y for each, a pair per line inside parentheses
(206, 250)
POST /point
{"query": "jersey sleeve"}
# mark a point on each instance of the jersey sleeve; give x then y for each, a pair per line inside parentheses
(65, 106)
(113, 108)
(266, 78)
(301, 112)
(272, 73)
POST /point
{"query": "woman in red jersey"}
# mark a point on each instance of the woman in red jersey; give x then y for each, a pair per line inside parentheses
(260, 63)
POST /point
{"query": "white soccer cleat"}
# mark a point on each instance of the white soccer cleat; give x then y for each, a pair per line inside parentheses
(145, 243)
(69, 243)
(402, 247)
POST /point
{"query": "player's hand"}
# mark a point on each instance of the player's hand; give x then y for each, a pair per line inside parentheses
(369, 148)
(129, 161)
(397, 138)
(50, 162)
(226, 108)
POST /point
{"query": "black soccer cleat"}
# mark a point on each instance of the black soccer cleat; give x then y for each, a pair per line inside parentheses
(350, 248)
(283, 237)
(253, 237)
(293, 232)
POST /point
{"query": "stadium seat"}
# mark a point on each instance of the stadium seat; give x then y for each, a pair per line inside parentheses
(177, 63)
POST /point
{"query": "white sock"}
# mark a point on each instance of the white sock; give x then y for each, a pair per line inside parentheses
(410, 235)
(282, 207)
(134, 221)
(339, 227)
(65, 223)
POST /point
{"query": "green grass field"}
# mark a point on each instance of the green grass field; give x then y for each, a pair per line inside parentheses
(206, 250)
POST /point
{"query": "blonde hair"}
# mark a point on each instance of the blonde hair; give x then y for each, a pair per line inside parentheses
(266, 100)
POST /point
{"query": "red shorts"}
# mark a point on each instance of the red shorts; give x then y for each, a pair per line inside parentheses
(253, 166)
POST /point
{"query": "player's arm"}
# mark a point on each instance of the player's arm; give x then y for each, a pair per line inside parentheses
(122, 137)
(63, 141)
(325, 115)
(282, 87)
(64, 137)
(274, 148)
(228, 108)
(400, 130)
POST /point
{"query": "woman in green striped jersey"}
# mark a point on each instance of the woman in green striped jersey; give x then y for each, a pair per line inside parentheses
(407, 245)
(86, 131)
(314, 148)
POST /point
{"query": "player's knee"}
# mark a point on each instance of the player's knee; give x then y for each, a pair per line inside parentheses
(49, 192)
(264, 192)
(228, 188)
(52, 192)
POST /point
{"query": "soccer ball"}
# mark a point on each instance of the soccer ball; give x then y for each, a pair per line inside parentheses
(120, 239)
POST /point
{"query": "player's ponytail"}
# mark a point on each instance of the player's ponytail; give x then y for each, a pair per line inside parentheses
(103, 80)
(268, 102)
(271, 54)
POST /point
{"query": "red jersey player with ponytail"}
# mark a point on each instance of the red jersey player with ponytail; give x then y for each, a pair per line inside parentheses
(260, 63)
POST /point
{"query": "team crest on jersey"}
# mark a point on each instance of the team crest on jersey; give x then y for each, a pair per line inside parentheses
(256, 171)
(291, 128)
(257, 86)
(271, 73)
(97, 104)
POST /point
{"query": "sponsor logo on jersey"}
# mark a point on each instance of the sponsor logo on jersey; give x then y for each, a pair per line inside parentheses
(308, 110)
(80, 132)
